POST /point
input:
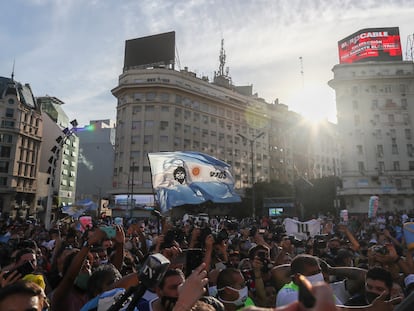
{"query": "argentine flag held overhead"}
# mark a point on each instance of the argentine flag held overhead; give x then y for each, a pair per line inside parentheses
(188, 177)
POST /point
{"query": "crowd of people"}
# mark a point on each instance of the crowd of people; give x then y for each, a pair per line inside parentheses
(215, 264)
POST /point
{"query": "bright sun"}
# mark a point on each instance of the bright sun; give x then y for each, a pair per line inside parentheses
(315, 102)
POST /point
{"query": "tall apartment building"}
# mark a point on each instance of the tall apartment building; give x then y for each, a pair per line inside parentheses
(375, 105)
(162, 109)
(20, 141)
(61, 142)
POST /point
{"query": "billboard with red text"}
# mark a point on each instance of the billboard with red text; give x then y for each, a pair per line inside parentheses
(371, 44)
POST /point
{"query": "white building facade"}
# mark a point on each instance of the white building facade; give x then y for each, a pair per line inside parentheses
(375, 106)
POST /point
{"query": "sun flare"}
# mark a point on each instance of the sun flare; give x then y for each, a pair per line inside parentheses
(314, 102)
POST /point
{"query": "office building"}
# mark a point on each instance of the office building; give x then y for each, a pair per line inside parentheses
(59, 160)
(375, 105)
(20, 142)
(162, 109)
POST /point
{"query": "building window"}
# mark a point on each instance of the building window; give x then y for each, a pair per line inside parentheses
(404, 104)
(165, 97)
(380, 151)
(204, 107)
(381, 167)
(178, 99)
(9, 112)
(164, 139)
(148, 139)
(205, 119)
(355, 104)
(394, 149)
(6, 138)
(136, 125)
(135, 155)
(163, 125)
(5, 152)
(411, 165)
(136, 109)
(149, 123)
(165, 109)
(138, 96)
(150, 96)
(361, 166)
(410, 150)
(135, 139)
(359, 149)
(356, 120)
(398, 183)
(396, 165)
(4, 166)
(149, 108)
(407, 133)
(6, 123)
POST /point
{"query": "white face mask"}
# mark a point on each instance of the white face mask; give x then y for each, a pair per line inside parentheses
(313, 279)
(243, 293)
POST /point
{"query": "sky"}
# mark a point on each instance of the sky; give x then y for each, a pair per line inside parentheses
(74, 49)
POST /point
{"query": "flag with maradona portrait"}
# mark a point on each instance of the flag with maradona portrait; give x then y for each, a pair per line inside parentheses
(189, 177)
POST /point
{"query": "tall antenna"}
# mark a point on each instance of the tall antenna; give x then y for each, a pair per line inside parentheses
(410, 48)
(12, 74)
(222, 59)
(177, 58)
(301, 71)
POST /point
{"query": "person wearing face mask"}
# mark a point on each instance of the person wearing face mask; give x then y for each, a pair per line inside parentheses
(167, 292)
(306, 265)
(232, 290)
(377, 281)
(70, 294)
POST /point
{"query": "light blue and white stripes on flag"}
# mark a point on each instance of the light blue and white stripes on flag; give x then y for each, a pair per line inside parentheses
(188, 177)
(77, 209)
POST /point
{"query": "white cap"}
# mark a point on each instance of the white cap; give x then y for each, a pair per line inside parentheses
(409, 280)
(373, 241)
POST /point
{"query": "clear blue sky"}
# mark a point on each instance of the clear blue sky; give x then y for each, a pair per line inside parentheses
(73, 49)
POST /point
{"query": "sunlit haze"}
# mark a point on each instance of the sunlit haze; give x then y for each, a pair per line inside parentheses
(74, 49)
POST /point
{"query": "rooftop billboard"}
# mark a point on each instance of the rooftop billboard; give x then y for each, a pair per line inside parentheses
(371, 44)
(151, 51)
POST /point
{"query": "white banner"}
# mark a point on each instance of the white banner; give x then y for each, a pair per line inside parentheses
(299, 229)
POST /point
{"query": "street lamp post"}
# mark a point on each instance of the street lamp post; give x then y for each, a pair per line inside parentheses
(132, 191)
(252, 141)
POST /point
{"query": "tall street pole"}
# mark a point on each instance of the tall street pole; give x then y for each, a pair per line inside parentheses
(252, 141)
(132, 191)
